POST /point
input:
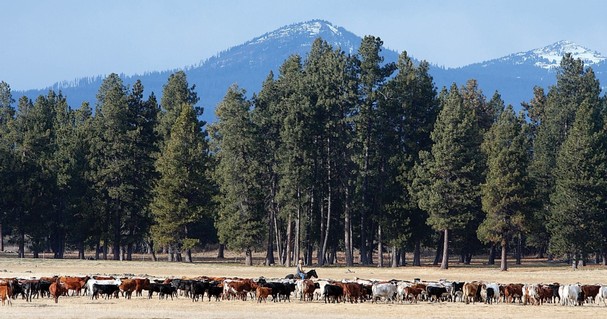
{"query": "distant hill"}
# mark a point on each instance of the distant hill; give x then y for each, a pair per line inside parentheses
(248, 64)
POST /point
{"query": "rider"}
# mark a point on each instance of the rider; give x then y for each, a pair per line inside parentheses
(300, 271)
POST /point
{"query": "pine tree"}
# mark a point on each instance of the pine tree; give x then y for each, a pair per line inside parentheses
(578, 203)
(447, 179)
(240, 204)
(507, 190)
(182, 194)
(574, 86)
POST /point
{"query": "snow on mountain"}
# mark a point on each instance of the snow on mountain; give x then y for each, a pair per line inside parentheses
(549, 57)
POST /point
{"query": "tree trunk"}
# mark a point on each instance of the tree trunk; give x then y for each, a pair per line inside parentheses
(248, 259)
(321, 234)
(439, 249)
(445, 263)
(1, 238)
(278, 235)
(270, 246)
(327, 228)
(221, 251)
(289, 240)
(574, 261)
(188, 255)
(380, 248)
(81, 250)
(97, 249)
(151, 250)
(129, 251)
(492, 253)
(403, 257)
(395, 255)
(417, 254)
(519, 250)
(21, 244)
(504, 263)
(297, 239)
(348, 231)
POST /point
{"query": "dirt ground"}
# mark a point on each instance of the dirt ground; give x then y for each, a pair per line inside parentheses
(141, 307)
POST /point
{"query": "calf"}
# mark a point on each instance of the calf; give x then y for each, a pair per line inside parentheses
(414, 292)
(57, 289)
(262, 293)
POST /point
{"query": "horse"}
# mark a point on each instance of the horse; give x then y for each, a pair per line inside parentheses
(309, 274)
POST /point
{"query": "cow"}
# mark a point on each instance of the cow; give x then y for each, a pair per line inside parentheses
(457, 289)
(544, 293)
(262, 293)
(321, 288)
(103, 289)
(57, 289)
(127, 286)
(31, 288)
(513, 291)
(602, 295)
(333, 293)
(385, 290)
(352, 291)
(140, 285)
(215, 290)
(530, 295)
(280, 290)
(198, 288)
(414, 292)
(435, 293)
(590, 291)
(5, 293)
(308, 289)
(570, 295)
(93, 281)
(490, 292)
(470, 291)
(74, 283)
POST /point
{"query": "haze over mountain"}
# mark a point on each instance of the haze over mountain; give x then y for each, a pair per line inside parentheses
(248, 64)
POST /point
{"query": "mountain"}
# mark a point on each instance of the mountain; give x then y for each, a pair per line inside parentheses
(515, 75)
(248, 64)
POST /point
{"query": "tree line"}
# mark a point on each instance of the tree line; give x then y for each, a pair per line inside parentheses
(337, 153)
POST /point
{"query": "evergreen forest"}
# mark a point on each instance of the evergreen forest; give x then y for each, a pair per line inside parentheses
(338, 159)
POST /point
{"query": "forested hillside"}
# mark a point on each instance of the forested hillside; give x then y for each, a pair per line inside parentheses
(336, 153)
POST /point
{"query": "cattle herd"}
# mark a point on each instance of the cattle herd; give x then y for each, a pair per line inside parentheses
(308, 290)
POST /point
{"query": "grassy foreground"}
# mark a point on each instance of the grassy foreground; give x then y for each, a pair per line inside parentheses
(81, 307)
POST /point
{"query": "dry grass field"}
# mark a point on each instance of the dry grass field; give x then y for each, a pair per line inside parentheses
(141, 307)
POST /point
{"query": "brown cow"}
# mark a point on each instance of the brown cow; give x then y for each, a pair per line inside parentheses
(469, 291)
(57, 289)
(352, 291)
(103, 277)
(239, 288)
(414, 292)
(5, 293)
(308, 289)
(513, 291)
(141, 284)
(262, 293)
(127, 286)
(74, 283)
(590, 291)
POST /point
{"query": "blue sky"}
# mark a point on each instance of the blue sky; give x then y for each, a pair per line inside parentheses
(43, 42)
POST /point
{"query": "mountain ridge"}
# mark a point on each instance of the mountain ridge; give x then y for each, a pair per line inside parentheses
(248, 64)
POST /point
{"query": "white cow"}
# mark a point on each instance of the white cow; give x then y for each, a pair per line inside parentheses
(569, 294)
(530, 294)
(91, 282)
(602, 295)
(383, 290)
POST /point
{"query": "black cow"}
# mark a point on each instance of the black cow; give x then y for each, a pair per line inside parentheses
(333, 293)
(44, 288)
(31, 288)
(436, 292)
(107, 290)
(456, 286)
(555, 292)
(214, 291)
(490, 295)
(197, 289)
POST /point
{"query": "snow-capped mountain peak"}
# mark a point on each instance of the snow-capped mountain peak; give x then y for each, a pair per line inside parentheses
(312, 28)
(551, 55)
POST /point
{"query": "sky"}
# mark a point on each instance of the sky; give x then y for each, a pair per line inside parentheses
(43, 42)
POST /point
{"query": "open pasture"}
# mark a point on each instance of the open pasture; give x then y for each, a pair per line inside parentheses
(142, 307)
